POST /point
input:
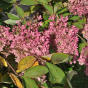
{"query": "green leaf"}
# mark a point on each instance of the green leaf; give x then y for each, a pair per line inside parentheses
(49, 8)
(57, 6)
(74, 18)
(45, 85)
(65, 14)
(43, 1)
(20, 11)
(28, 2)
(81, 45)
(69, 23)
(8, 1)
(78, 25)
(46, 23)
(45, 16)
(56, 74)
(13, 17)
(25, 63)
(62, 11)
(82, 21)
(29, 83)
(11, 22)
(57, 58)
(36, 71)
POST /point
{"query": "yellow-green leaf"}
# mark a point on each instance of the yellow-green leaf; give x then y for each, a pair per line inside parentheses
(28, 2)
(25, 63)
(3, 61)
(36, 63)
(47, 57)
(15, 80)
(20, 11)
(60, 58)
(13, 16)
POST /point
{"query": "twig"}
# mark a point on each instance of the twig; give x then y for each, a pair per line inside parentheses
(12, 68)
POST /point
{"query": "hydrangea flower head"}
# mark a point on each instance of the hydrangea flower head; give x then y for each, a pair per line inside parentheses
(78, 7)
(28, 41)
(65, 37)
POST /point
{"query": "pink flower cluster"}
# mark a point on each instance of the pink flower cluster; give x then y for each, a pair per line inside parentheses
(85, 32)
(78, 7)
(24, 40)
(4, 37)
(66, 39)
(29, 41)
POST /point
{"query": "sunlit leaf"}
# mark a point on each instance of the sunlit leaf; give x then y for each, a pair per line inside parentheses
(16, 81)
(43, 1)
(36, 71)
(56, 74)
(57, 6)
(36, 63)
(47, 57)
(25, 63)
(11, 22)
(49, 8)
(13, 17)
(3, 61)
(20, 11)
(28, 2)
